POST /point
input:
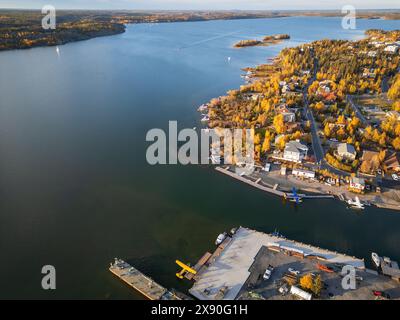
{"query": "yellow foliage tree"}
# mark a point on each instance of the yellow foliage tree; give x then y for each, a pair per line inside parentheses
(279, 123)
(306, 282)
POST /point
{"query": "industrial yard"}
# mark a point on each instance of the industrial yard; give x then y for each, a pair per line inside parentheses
(239, 272)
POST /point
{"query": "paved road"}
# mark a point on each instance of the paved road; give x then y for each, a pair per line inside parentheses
(357, 110)
(316, 142)
(315, 139)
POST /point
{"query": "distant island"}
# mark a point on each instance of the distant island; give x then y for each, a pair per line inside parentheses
(267, 41)
(21, 29)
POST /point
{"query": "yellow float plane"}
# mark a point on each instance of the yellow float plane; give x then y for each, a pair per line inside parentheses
(185, 268)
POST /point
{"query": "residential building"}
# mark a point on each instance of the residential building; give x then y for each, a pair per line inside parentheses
(295, 151)
(370, 162)
(346, 151)
(357, 184)
(392, 162)
(393, 114)
(303, 173)
(391, 49)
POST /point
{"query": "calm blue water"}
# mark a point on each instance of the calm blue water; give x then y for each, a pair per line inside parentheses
(76, 191)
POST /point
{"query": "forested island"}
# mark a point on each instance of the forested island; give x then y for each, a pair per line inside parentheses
(267, 41)
(21, 29)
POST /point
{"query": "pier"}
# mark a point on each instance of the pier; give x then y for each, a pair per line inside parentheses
(254, 184)
(273, 190)
(140, 282)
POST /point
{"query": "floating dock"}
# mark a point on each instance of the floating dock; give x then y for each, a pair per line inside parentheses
(142, 283)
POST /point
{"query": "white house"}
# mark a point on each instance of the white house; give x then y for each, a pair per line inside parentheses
(391, 49)
(393, 114)
(295, 151)
(303, 173)
(346, 151)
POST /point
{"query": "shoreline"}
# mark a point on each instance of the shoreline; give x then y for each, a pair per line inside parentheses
(118, 20)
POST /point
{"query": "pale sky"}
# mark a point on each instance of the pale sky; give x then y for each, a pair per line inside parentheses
(203, 4)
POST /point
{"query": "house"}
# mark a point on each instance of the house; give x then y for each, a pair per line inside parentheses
(393, 114)
(285, 88)
(391, 49)
(371, 54)
(288, 115)
(357, 184)
(370, 162)
(346, 151)
(303, 173)
(369, 73)
(295, 151)
(392, 162)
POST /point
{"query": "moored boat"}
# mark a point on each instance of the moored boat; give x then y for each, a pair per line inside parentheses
(221, 237)
(376, 259)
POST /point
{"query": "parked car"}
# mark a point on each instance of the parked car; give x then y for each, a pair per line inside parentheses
(268, 272)
(294, 272)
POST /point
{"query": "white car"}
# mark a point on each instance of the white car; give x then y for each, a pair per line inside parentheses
(395, 177)
(294, 272)
(268, 272)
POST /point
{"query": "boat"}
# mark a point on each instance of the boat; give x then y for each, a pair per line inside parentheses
(276, 233)
(324, 268)
(206, 118)
(376, 259)
(202, 108)
(221, 237)
(356, 204)
(233, 231)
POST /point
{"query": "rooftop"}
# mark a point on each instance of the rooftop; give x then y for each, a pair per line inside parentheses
(295, 146)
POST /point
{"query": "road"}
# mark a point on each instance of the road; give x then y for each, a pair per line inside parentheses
(357, 110)
(315, 139)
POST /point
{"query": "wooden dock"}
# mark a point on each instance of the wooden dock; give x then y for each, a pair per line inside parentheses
(140, 282)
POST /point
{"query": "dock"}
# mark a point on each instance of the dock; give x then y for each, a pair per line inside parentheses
(273, 190)
(253, 184)
(140, 282)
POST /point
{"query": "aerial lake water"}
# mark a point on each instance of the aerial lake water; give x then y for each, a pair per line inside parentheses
(76, 190)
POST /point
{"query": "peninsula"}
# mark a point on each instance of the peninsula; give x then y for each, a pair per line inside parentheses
(326, 117)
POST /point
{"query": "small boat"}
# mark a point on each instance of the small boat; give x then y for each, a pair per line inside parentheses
(324, 268)
(233, 231)
(221, 237)
(202, 108)
(376, 259)
(206, 118)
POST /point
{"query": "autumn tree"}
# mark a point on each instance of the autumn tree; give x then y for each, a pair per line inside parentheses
(279, 123)
(306, 282)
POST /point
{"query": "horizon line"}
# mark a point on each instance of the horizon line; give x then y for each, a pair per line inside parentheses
(208, 10)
